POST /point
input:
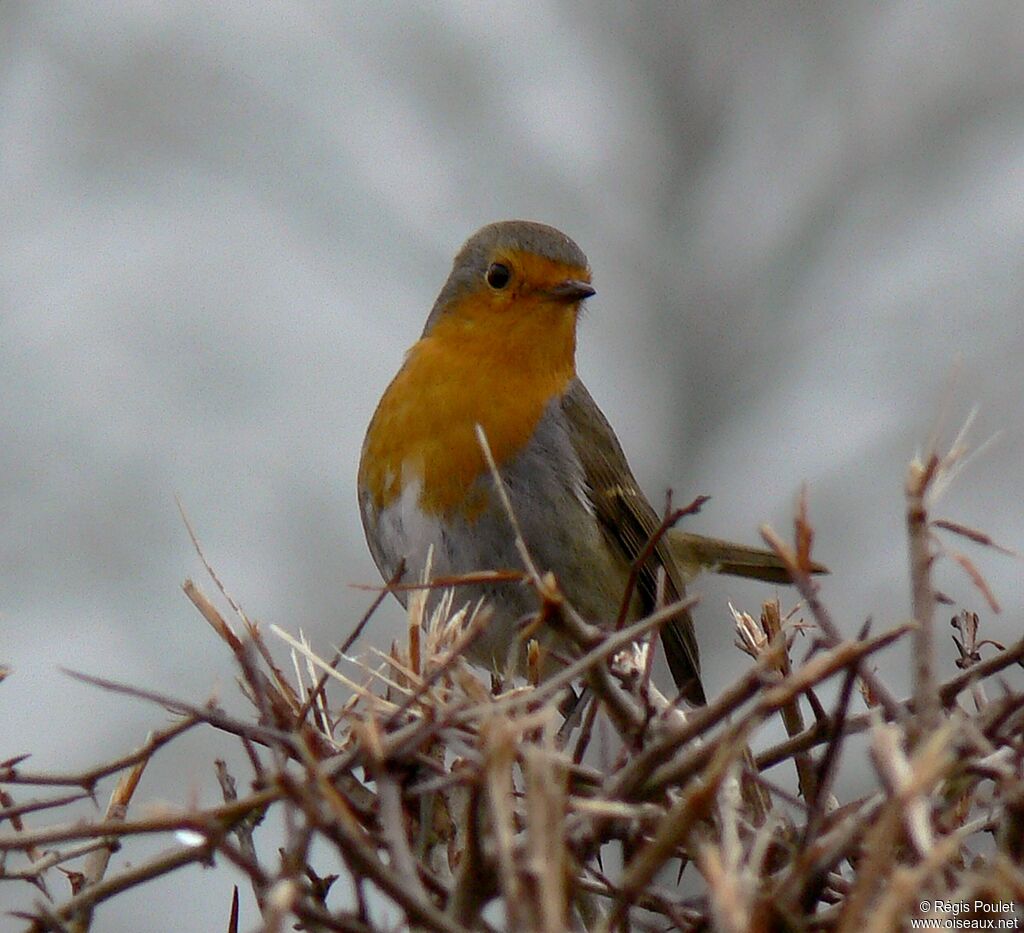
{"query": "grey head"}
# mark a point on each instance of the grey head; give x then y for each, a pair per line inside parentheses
(497, 240)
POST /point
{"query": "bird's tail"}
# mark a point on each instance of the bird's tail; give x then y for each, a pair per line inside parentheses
(696, 553)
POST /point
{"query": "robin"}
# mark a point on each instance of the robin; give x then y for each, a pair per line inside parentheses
(498, 350)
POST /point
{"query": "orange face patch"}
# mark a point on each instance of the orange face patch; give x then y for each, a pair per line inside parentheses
(532, 277)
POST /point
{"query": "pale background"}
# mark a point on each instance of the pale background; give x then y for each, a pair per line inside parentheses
(222, 224)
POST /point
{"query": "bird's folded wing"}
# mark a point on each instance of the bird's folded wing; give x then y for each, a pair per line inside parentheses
(629, 521)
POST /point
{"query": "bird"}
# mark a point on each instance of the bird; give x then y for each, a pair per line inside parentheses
(498, 351)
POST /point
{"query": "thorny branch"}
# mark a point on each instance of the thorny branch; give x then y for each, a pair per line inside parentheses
(441, 795)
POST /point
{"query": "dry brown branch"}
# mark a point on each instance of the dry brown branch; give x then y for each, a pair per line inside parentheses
(455, 806)
(920, 477)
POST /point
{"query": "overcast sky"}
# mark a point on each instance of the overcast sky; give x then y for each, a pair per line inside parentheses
(221, 225)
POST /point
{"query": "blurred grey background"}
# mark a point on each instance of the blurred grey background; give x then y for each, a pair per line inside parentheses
(222, 224)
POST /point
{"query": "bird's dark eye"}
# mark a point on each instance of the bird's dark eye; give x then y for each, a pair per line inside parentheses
(498, 275)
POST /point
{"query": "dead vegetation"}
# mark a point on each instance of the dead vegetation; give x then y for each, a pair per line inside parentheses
(446, 804)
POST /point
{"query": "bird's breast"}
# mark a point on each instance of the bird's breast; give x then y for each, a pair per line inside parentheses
(424, 430)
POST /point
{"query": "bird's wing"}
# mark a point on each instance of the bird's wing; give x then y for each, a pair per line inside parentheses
(629, 521)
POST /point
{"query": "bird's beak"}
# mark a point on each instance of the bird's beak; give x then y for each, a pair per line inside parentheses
(571, 290)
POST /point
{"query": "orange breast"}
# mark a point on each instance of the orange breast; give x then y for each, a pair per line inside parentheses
(499, 370)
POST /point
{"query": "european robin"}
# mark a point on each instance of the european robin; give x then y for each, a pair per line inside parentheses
(498, 350)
